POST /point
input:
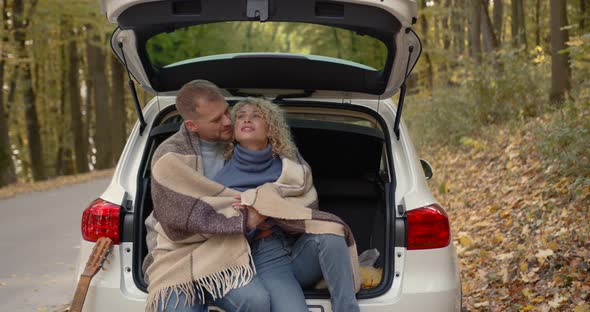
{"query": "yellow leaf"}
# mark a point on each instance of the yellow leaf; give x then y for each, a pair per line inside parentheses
(543, 254)
(482, 224)
(524, 266)
(582, 308)
(553, 245)
(505, 256)
(526, 292)
(465, 241)
(556, 302)
(498, 238)
(538, 299)
(527, 308)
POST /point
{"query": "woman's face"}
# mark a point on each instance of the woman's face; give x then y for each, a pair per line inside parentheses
(250, 128)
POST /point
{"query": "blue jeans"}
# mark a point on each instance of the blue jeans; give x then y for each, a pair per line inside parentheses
(283, 269)
(250, 298)
(314, 256)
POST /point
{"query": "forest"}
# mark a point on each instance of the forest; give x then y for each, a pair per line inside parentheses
(499, 103)
(65, 108)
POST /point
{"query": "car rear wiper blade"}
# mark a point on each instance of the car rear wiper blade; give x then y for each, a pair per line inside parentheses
(306, 93)
(237, 92)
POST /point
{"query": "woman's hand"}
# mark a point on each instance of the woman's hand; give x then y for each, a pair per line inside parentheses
(254, 218)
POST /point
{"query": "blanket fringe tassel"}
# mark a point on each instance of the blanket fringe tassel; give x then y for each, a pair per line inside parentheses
(217, 285)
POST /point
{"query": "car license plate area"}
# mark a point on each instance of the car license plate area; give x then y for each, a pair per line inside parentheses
(311, 308)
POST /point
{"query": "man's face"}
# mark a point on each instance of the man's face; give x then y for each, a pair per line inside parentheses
(213, 122)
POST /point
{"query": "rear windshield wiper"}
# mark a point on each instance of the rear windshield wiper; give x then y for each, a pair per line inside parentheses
(237, 92)
(304, 94)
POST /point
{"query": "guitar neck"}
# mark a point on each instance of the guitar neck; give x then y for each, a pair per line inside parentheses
(80, 294)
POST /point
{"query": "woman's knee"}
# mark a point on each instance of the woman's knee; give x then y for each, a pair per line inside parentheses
(329, 241)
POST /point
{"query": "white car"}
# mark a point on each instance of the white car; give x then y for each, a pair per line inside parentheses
(341, 114)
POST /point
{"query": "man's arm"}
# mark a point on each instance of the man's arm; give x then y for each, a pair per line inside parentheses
(177, 193)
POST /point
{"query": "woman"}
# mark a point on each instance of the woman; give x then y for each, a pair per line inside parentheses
(265, 154)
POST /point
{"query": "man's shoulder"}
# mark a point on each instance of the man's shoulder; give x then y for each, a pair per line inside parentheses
(177, 143)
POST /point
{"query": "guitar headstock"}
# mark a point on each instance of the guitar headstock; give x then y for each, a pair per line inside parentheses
(99, 255)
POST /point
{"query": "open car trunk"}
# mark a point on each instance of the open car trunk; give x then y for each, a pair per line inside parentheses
(350, 174)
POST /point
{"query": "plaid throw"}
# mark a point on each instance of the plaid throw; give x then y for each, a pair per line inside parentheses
(195, 237)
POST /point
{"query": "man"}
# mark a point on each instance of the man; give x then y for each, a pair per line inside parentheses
(207, 121)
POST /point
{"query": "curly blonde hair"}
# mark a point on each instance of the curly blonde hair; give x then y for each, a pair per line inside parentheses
(278, 130)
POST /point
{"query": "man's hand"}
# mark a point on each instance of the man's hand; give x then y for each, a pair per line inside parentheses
(254, 218)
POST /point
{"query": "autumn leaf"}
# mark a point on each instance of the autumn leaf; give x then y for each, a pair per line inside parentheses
(465, 241)
(522, 242)
(582, 308)
(543, 254)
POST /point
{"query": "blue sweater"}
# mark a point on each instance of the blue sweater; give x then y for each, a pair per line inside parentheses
(249, 169)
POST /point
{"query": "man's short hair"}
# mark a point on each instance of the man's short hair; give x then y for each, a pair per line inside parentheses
(193, 94)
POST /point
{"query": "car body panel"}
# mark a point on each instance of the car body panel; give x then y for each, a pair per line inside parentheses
(404, 51)
(403, 10)
(428, 281)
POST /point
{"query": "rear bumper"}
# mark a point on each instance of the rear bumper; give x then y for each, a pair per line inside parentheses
(428, 281)
(112, 299)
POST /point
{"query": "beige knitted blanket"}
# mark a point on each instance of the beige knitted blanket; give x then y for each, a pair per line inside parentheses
(196, 238)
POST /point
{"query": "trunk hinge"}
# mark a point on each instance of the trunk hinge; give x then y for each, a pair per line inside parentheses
(402, 96)
(142, 123)
(257, 9)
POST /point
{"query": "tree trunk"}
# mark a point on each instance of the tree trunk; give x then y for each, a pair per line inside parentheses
(446, 26)
(102, 131)
(76, 122)
(489, 37)
(522, 22)
(538, 23)
(583, 12)
(88, 105)
(458, 21)
(499, 19)
(475, 30)
(518, 24)
(118, 112)
(429, 69)
(7, 172)
(560, 70)
(29, 96)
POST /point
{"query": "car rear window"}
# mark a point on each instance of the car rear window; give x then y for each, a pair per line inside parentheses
(208, 41)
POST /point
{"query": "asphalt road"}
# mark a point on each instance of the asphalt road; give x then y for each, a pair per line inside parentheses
(39, 242)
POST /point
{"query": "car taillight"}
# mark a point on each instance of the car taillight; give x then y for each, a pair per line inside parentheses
(428, 227)
(100, 219)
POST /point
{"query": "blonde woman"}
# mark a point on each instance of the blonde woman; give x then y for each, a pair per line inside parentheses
(263, 152)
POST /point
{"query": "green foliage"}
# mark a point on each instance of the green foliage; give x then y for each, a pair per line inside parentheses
(565, 140)
(504, 88)
(236, 37)
(579, 50)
